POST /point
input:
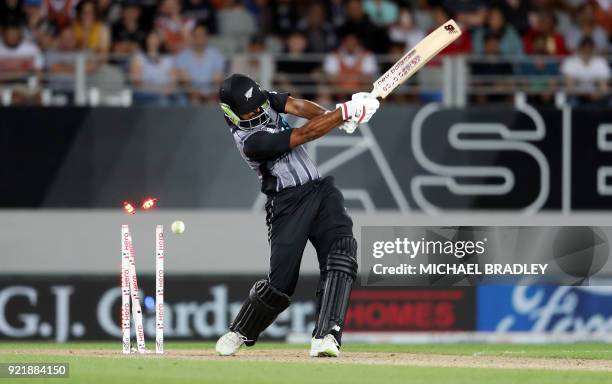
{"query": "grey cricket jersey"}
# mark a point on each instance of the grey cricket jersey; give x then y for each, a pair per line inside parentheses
(266, 150)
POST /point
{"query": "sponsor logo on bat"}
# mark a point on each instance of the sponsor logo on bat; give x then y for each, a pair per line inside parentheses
(399, 71)
(388, 82)
(411, 64)
(450, 29)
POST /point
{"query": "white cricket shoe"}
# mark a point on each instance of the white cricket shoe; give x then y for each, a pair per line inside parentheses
(230, 343)
(325, 347)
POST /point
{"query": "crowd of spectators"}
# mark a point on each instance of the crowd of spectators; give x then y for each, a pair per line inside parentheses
(177, 51)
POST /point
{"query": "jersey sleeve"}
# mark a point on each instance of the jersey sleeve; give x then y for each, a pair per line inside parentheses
(262, 146)
(277, 100)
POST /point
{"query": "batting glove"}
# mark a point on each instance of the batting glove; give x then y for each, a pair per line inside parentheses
(348, 126)
(362, 95)
(359, 111)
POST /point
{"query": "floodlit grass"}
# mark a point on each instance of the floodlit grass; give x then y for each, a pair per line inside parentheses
(573, 351)
(170, 370)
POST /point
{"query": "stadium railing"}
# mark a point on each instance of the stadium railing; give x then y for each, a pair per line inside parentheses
(456, 80)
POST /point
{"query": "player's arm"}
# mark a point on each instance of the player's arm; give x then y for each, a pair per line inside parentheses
(262, 145)
(309, 110)
(303, 108)
(358, 111)
(315, 128)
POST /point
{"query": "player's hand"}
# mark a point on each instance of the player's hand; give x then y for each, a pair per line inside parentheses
(360, 110)
(348, 126)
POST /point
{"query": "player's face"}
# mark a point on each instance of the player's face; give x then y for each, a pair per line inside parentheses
(255, 119)
(250, 115)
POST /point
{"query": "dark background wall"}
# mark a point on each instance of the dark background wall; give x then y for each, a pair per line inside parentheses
(82, 158)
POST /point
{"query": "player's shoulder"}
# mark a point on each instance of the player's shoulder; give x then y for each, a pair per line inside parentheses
(270, 93)
(277, 100)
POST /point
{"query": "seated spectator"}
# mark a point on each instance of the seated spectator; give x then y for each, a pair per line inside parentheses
(37, 28)
(563, 18)
(494, 72)
(405, 32)
(351, 68)
(586, 27)
(256, 62)
(109, 11)
(174, 29)
(294, 70)
(264, 15)
(468, 13)
(603, 15)
(516, 13)
(421, 11)
(544, 29)
(91, 34)
(510, 43)
(19, 58)
(541, 71)
(382, 13)
(20, 61)
(319, 33)
(154, 74)
(202, 12)
(60, 13)
(337, 12)
(358, 23)
(284, 16)
(201, 67)
(586, 74)
(237, 23)
(61, 61)
(128, 34)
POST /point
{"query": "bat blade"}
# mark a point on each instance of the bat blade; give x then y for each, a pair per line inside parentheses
(416, 58)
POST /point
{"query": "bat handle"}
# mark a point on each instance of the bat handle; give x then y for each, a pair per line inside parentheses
(374, 92)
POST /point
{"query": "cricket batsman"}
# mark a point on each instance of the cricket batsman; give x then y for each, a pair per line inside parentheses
(301, 206)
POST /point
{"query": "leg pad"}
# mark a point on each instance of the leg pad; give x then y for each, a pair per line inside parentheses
(259, 310)
(340, 273)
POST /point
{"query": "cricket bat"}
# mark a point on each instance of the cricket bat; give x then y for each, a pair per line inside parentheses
(416, 58)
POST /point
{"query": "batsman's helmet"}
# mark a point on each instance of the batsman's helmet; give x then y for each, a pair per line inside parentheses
(240, 95)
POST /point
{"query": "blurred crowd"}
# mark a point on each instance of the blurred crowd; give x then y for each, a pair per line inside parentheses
(177, 51)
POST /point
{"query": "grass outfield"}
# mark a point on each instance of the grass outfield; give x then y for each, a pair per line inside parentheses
(184, 364)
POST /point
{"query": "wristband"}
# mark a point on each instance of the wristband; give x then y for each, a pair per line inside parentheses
(344, 110)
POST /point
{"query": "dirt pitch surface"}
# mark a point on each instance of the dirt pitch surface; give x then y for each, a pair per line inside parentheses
(378, 358)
